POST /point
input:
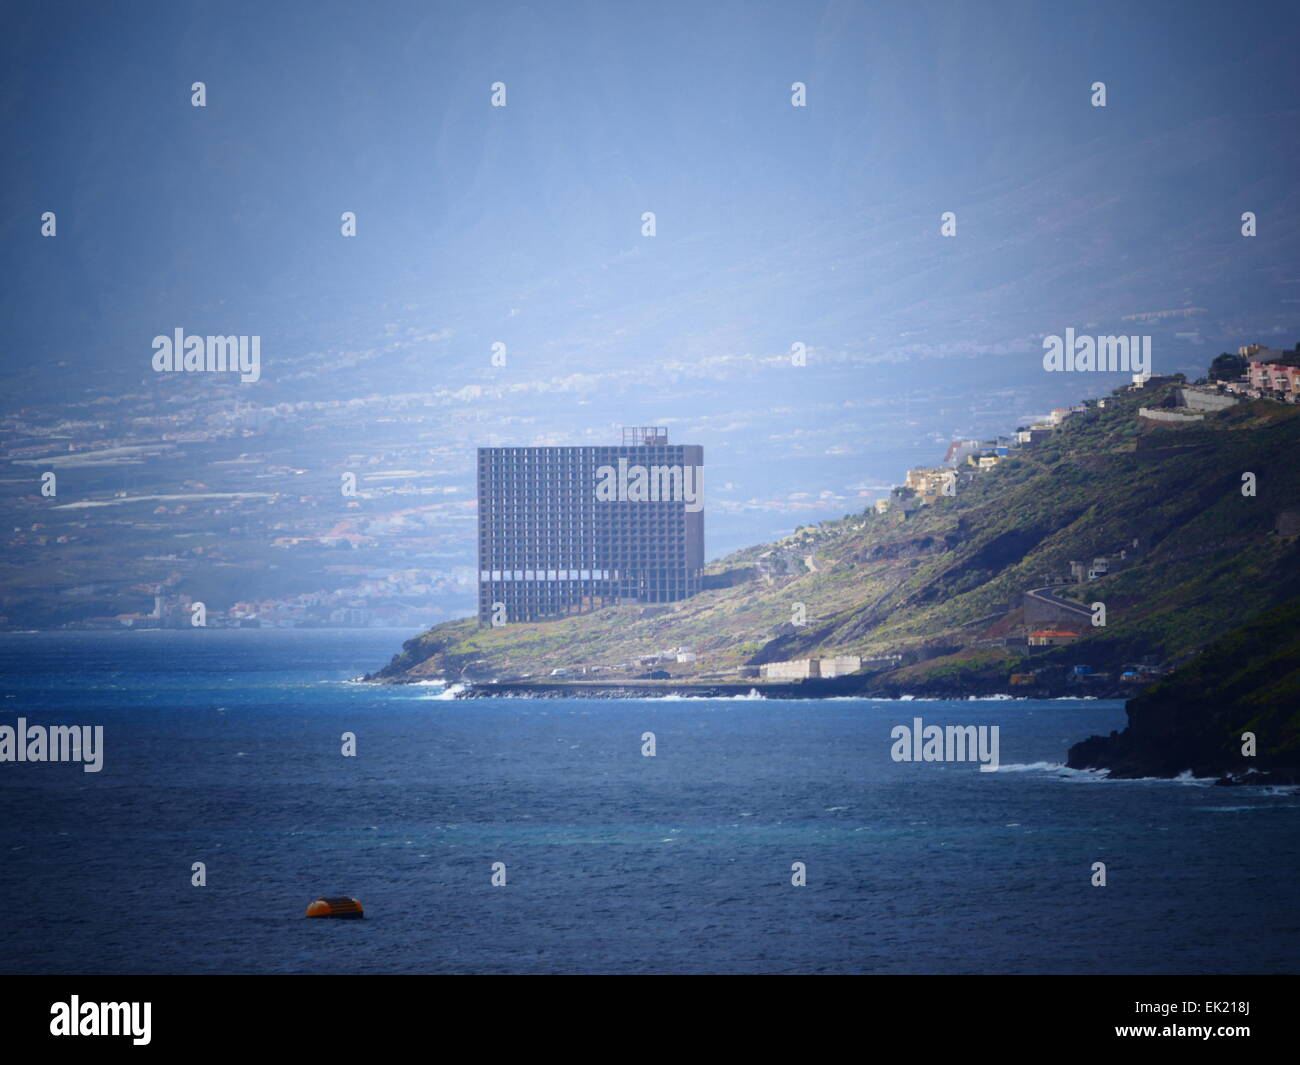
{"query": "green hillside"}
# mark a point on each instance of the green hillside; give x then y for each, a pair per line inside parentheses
(943, 585)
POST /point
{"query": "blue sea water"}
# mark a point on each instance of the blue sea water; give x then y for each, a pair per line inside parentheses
(224, 747)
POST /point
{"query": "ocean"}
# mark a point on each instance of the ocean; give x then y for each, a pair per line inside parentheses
(224, 747)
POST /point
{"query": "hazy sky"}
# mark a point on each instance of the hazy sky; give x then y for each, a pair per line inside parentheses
(775, 224)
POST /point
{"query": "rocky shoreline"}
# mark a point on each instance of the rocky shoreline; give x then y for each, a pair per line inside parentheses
(851, 686)
(1233, 713)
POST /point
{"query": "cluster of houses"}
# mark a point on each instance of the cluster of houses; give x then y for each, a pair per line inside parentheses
(965, 460)
(1145, 672)
(1271, 373)
(1267, 373)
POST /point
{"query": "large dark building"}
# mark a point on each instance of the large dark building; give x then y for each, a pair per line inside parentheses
(564, 530)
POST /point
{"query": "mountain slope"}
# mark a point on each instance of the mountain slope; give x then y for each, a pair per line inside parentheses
(943, 586)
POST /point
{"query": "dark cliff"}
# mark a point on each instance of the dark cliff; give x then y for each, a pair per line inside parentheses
(1246, 681)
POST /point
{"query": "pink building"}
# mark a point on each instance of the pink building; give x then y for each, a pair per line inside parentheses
(1274, 376)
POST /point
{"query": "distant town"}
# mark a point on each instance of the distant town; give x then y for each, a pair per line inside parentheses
(133, 507)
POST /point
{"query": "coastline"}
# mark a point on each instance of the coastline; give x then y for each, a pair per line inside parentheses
(851, 686)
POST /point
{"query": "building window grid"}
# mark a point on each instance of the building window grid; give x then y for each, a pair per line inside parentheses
(554, 531)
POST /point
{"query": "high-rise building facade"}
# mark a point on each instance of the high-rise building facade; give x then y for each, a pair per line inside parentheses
(565, 530)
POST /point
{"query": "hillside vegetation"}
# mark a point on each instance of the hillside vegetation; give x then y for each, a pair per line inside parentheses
(943, 585)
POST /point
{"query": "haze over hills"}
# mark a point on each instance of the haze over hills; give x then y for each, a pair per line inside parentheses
(521, 225)
(768, 435)
(944, 586)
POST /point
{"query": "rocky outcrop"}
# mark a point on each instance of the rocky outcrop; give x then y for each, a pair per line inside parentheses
(1201, 718)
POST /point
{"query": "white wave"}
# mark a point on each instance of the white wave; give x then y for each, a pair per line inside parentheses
(1185, 777)
(405, 684)
(446, 693)
(675, 697)
(1059, 768)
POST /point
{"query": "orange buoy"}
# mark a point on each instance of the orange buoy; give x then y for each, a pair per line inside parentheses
(340, 906)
